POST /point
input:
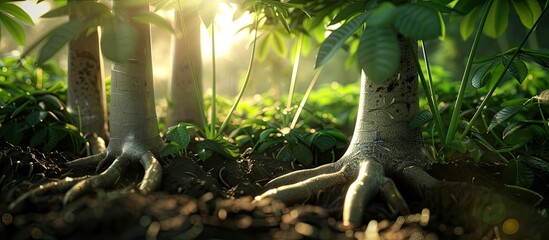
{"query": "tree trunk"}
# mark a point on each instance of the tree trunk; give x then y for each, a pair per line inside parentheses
(132, 109)
(382, 129)
(86, 86)
(182, 95)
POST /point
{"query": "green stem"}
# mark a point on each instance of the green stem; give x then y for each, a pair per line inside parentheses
(491, 92)
(305, 97)
(465, 80)
(246, 80)
(213, 112)
(294, 70)
(428, 88)
(193, 72)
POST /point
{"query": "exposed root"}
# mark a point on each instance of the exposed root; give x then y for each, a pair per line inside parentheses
(79, 186)
(369, 179)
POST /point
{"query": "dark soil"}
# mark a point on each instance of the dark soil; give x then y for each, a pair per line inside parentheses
(212, 200)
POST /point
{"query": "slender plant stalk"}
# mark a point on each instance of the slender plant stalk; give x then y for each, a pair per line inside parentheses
(246, 80)
(429, 92)
(193, 72)
(465, 80)
(213, 115)
(491, 92)
(294, 70)
(305, 97)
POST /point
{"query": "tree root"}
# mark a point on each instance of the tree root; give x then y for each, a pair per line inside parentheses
(80, 185)
(369, 179)
(477, 209)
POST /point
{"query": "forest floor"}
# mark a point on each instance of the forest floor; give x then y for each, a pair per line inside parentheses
(204, 200)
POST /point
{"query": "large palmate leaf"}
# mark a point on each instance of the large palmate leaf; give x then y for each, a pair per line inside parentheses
(378, 53)
(418, 22)
(59, 37)
(528, 11)
(497, 19)
(119, 41)
(336, 39)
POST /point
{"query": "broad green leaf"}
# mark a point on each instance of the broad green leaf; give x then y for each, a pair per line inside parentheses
(53, 101)
(204, 154)
(267, 145)
(516, 101)
(517, 68)
(207, 11)
(119, 41)
(279, 45)
(497, 19)
(35, 117)
(382, 16)
(58, 38)
(324, 142)
(56, 133)
(337, 134)
(170, 149)
(263, 46)
(518, 173)
(38, 137)
(535, 163)
(512, 128)
(220, 146)
(303, 154)
(285, 154)
(418, 22)
(180, 135)
(154, 19)
(528, 11)
(503, 115)
(481, 76)
(265, 134)
(421, 118)
(16, 12)
(14, 29)
(519, 138)
(336, 39)
(349, 11)
(378, 53)
(20, 108)
(469, 22)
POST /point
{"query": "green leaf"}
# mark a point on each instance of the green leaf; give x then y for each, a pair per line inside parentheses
(15, 30)
(263, 147)
(418, 22)
(466, 6)
(481, 76)
(171, 149)
(421, 118)
(207, 11)
(220, 146)
(497, 19)
(180, 135)
(16, 12)
(336, 39)
(519, 138)
(528, 11)
(534, 162)
(517, 173)
(324, 142)
(56, 133)
(517, 68)
(285, 154)
(52, 100)
(279, 45)
(119, 41)
(337, 134)
(468, 23)
(204, 154)
(382, 16)
(512, 128)
(154, 19)
(266, 133)
(38, 138)
(378, 53)
(302, 154)
(349, 11)
(58, 38)
(79, 9)
(503, 115)
(35, 117)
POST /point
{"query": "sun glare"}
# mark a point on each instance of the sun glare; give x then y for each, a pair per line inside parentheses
(35, 10)
(226, 32)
